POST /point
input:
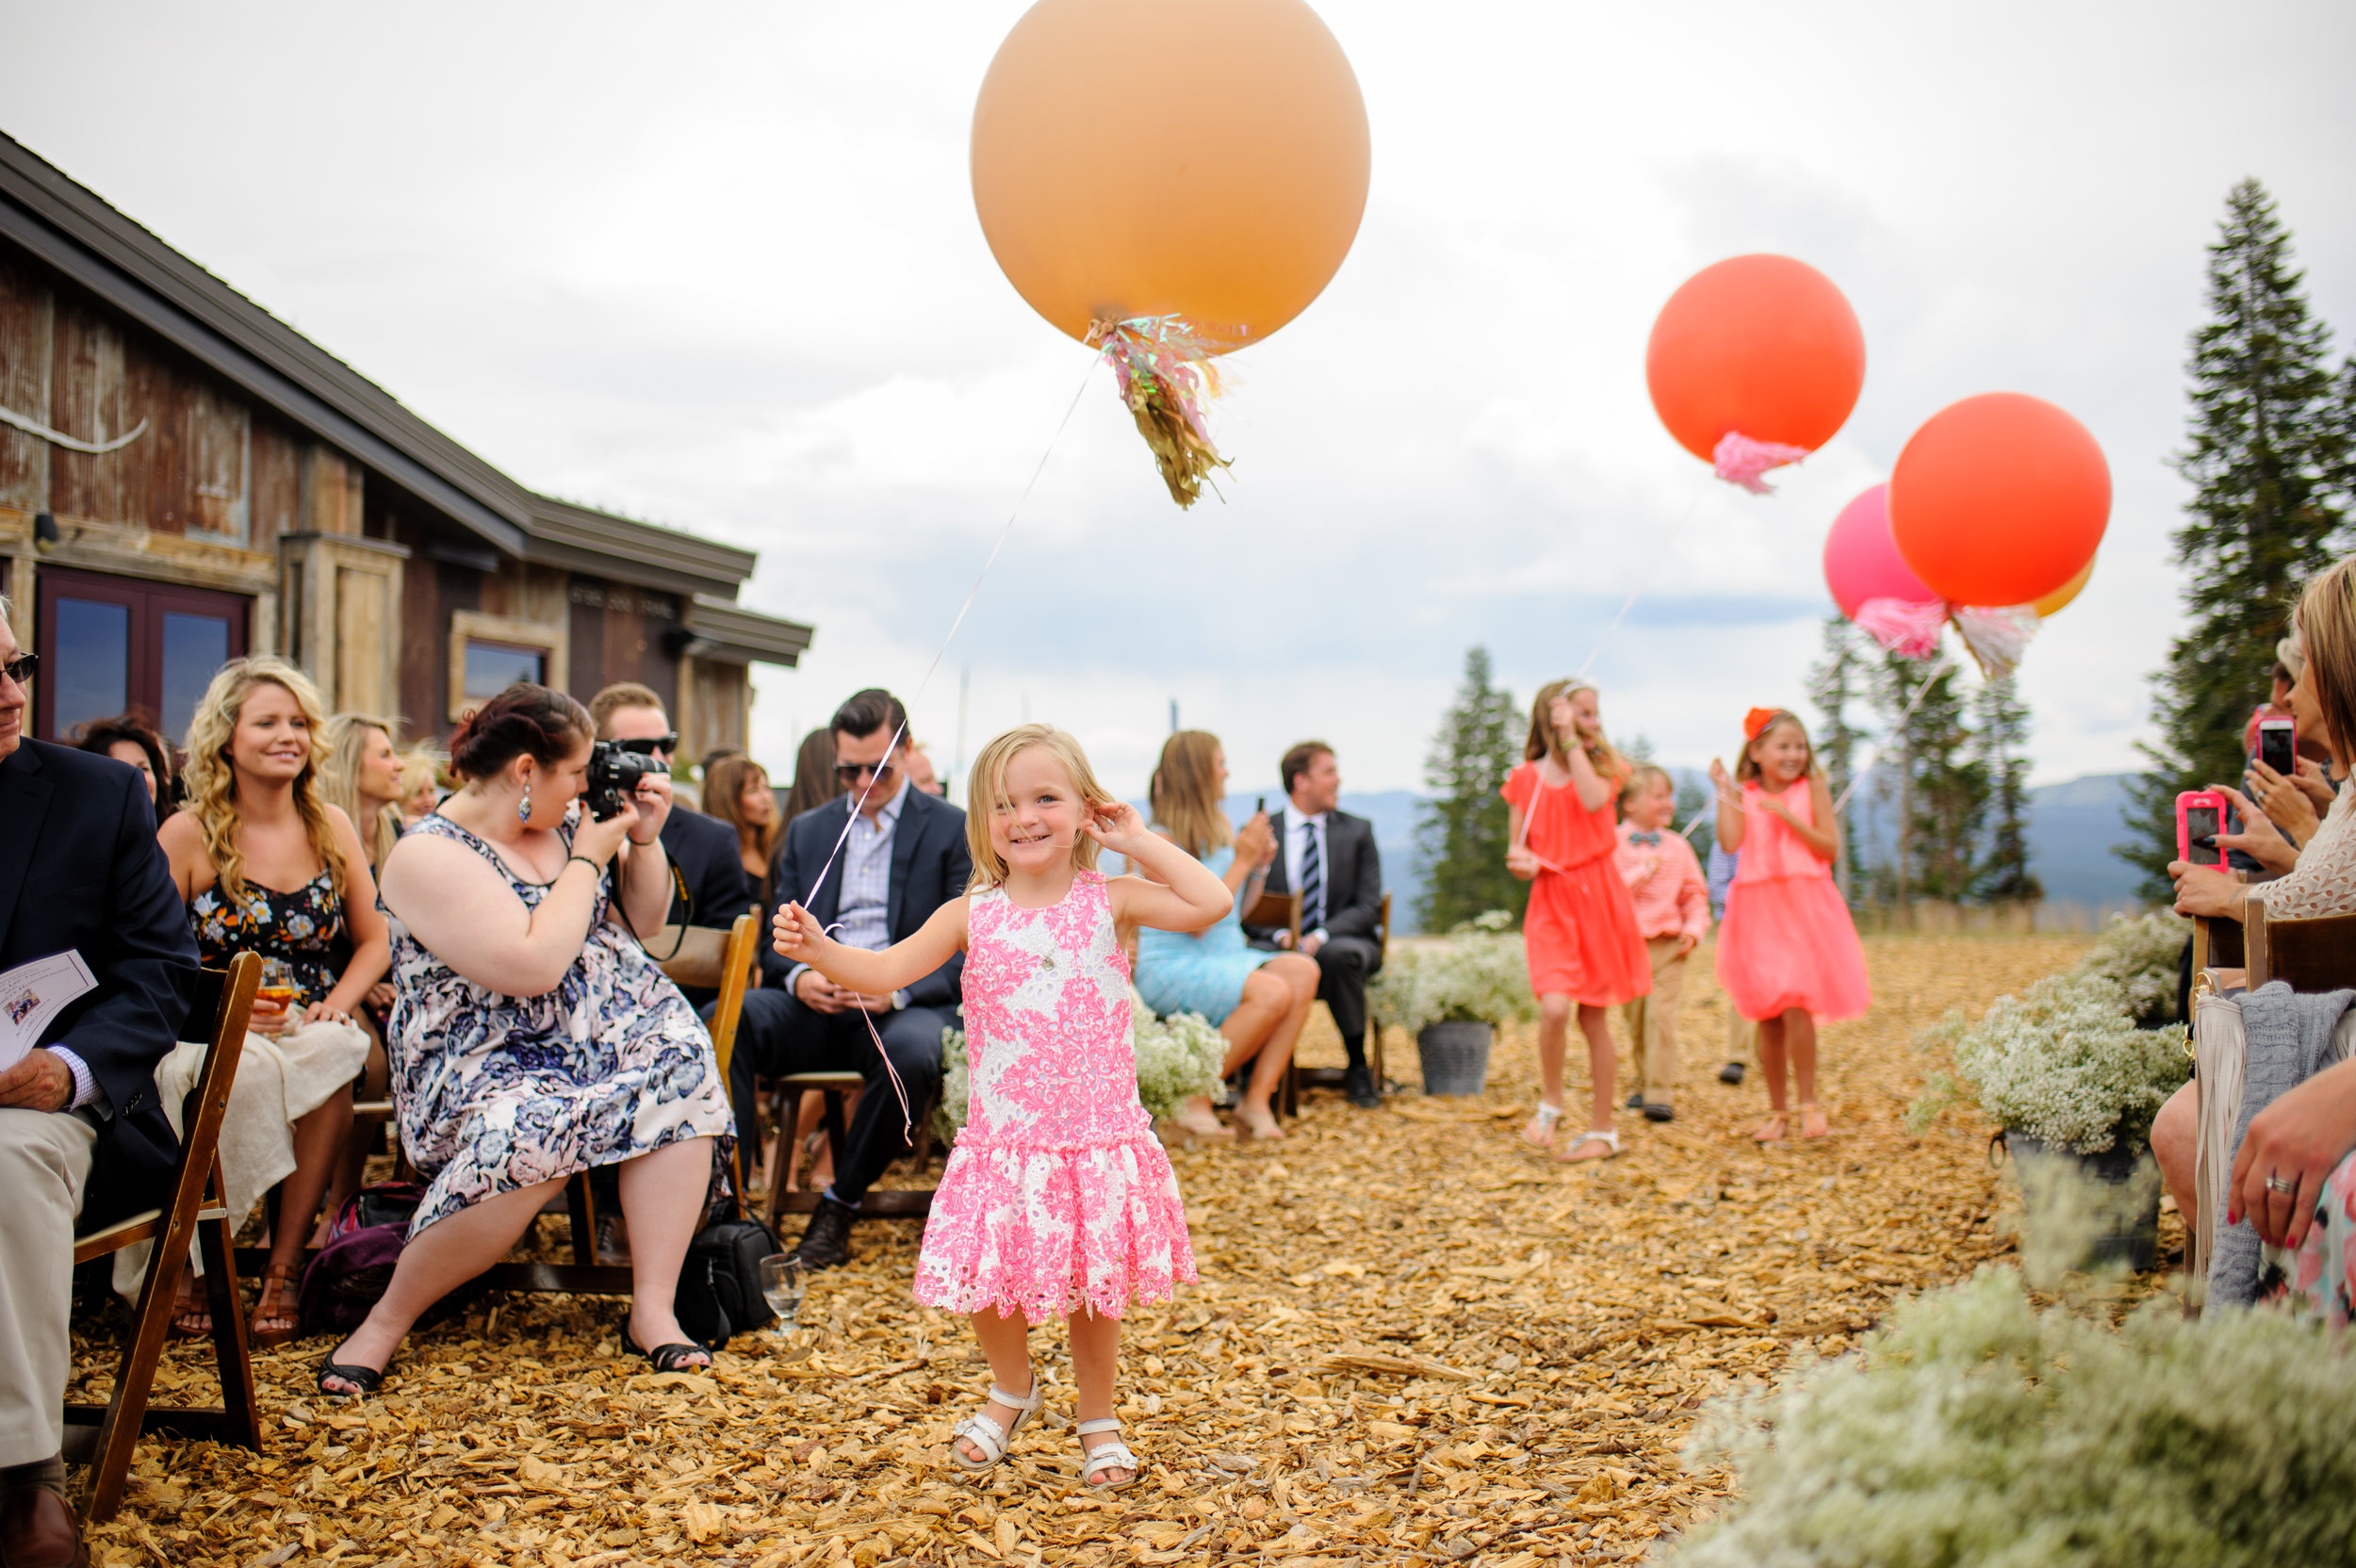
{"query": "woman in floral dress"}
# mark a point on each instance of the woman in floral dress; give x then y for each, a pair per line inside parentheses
(532, 1035)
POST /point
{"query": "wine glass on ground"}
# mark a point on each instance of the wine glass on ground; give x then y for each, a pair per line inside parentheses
(782, 1282)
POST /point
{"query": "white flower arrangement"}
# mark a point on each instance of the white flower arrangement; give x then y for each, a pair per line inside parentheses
(2143, 956)
(1177, 1056)
(2064, 1062)
(1480, 974)
(1975, 1429)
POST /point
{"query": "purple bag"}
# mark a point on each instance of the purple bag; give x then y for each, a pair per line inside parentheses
(349, 1275)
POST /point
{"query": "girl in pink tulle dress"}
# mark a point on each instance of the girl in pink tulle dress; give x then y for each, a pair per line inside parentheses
(1057, 1202)
(1787, 952)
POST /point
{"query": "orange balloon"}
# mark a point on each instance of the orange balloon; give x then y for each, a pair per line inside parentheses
(1140, 158)
(2055, 602)
(1999, 500)
(1760, 345)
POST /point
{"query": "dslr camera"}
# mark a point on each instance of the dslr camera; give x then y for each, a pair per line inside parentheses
(613, 774)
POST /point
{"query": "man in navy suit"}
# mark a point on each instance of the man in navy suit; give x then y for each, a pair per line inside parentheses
(903, 855)
(83, 1137)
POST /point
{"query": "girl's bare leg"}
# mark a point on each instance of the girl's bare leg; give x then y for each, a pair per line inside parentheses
(1799, 1044)
(1771, 1058)
(1006, 1341)
(319, 1136)
(1095, 1367)
(1603, 1066)
(1554, 1019)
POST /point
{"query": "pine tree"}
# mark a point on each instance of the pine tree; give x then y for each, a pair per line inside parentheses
(2270, 461)
(1834, 682)
(1462, 835)
(1949, 795)
(2000, 740)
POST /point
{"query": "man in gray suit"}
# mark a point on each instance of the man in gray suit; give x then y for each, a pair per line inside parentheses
(1329, 855)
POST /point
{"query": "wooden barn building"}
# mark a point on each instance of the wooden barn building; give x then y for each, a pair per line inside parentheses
(185, 478)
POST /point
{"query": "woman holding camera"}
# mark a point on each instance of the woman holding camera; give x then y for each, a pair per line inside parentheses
(532, 1037)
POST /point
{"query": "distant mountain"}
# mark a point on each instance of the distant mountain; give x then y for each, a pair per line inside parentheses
(2072, 829)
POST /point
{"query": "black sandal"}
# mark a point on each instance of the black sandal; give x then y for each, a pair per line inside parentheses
(364, 1379)
(673, 1358)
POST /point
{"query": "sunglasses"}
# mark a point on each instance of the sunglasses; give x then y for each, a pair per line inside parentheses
(21, 669)
(851, 773)
(651, 744)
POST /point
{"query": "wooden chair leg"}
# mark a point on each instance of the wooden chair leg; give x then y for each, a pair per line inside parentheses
(233, 1355)
(581, 1208)
(126, 1410)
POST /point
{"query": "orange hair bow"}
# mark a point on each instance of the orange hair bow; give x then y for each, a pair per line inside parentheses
(1757, 720)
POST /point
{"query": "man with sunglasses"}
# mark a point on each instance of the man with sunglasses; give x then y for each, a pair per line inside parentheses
(902, 855)
(83, 1137)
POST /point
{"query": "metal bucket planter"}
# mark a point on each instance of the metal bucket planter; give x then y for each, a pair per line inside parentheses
(2133, 1240)
(1455, 1056)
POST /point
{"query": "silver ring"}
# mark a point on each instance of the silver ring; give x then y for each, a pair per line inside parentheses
(2276, 1183)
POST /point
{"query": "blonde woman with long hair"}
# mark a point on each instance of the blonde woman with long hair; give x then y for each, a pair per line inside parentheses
(1580, 931)
(266, 865)
(362, 778)
(1258, 999)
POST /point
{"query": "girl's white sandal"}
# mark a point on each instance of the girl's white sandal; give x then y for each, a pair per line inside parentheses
(1104, 1456)
(1540, 1132)
(986, 1434)
(1608, 1136)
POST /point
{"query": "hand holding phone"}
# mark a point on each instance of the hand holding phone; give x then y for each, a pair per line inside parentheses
(2277, 745)
(2199, 817)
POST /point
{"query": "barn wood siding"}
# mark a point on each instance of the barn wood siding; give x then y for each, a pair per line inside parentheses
(27, 336)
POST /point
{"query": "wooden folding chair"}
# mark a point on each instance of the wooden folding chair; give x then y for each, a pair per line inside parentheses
(699, 955)
(835, 1089)
(104, 1435)
(2313, 954)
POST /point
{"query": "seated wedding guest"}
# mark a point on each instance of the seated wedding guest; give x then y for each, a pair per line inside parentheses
(360, 777)
(266, 866)
(736, 791)
(814, 783)
(2319, 877)
(130, 738)
(420, 785)
(897, 855)
(1329, 855)
(533, 1036)
(82, 1130)
(1257, 999)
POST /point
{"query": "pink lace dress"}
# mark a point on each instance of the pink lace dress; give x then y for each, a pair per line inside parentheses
(1057, 1196)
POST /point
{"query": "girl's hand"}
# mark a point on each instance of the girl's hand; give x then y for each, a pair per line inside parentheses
(649, 807)
(2285, 803)
(1255, 840)
(1115, 824)
(797, 935)
(1718, 778)
(2205, 890)
(1521, 862)
(2258, 839)
(2298, 1140)
(381, 996)
(2308, 774)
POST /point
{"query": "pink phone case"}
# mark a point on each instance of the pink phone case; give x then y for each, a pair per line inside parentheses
(2192, 800)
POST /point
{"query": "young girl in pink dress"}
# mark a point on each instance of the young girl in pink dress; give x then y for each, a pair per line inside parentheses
(1787, 952)
(1057, 1202)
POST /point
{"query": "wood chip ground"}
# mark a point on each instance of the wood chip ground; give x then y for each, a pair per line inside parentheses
(1415, 1341)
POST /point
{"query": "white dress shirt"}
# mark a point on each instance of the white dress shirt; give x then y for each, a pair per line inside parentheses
(1297, 828)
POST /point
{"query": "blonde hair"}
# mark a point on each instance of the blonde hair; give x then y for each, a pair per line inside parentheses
(2326, 635)
(344, 737)
(724, 798)
(1545, 741)
(418, 766)
(212, 779)
(1641, 777)
(1747, 766)
(1184, 794)
(986, 790)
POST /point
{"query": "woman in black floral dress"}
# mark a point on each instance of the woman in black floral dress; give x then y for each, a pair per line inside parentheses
(532, 1037)
(268, 867)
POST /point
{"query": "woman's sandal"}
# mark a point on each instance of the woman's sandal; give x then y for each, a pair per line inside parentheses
(1772, 1129)
(671, 1358)
(1104, 1456)
(364, 1379)
(192, 1314)
(1811, 1114)
(287, 1314)
(986, 1434)
(1608, 1136)
(1540, 1132)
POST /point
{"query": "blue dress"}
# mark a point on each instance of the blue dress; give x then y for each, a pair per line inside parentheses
(1204, 974)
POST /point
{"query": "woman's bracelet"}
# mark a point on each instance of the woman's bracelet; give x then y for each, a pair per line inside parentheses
(586, 862)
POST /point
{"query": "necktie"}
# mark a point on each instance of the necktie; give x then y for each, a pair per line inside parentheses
(1312, 881)
(1643, 838)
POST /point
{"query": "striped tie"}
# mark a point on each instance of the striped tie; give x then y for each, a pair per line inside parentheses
(1311, 882)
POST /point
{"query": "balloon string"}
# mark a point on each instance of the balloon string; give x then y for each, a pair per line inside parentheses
(1912, 703)
(1676, 535)
(900, 733)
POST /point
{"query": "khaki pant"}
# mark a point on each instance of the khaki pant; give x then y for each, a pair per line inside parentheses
(1742, 1038)
(1652, 1023)
(44, 1159)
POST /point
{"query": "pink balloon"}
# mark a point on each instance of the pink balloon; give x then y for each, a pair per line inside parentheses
(1862, 559)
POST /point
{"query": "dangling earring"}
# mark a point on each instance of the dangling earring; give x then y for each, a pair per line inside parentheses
(523, 807)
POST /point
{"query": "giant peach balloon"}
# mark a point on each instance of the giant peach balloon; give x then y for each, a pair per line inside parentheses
(1860, 560)
(2059, 601)
(1202, 158)
(1760, 346)
(1999, 500)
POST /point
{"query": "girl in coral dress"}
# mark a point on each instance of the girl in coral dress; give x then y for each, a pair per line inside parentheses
(1057, 1202)
(1787, 952)
(1579, 930)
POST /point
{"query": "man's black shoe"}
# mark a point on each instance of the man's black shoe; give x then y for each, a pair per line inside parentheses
(1730, 1073)
(1358, 1084)
(827, 1240)
(1654, 1111)
(1635, 1101)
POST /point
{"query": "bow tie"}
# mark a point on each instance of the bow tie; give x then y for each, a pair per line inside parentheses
(1643, 838)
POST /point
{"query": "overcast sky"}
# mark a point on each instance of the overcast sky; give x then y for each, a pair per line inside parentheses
(718, 267)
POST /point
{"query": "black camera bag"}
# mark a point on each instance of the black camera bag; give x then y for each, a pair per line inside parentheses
(719, 1283)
